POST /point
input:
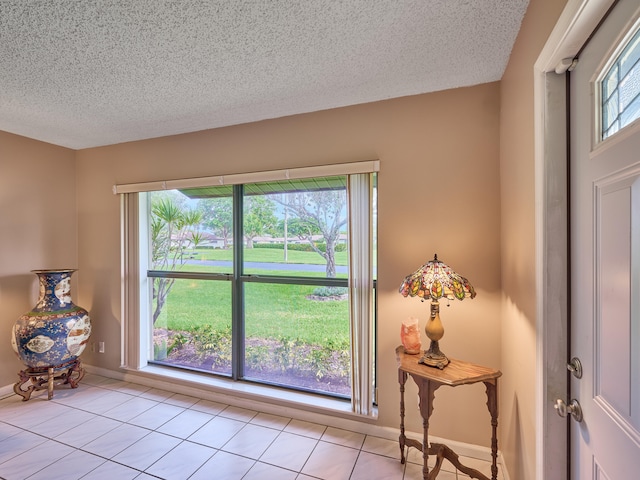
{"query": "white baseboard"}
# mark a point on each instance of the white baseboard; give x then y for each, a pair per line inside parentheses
(6, 391)
(300, 406)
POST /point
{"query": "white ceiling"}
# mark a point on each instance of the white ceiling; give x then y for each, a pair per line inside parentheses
(97, 72)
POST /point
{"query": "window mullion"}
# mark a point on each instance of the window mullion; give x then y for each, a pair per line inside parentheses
(237, 294)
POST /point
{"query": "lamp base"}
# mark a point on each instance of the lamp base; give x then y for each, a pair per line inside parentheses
(434, 357)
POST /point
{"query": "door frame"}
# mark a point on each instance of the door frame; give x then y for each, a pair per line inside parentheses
(574, 27)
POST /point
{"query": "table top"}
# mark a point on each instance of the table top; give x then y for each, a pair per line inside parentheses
(458, 372)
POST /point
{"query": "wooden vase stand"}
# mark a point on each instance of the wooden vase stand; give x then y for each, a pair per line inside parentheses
(46, 378)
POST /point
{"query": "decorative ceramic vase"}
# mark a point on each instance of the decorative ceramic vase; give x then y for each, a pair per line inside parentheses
(55, 332)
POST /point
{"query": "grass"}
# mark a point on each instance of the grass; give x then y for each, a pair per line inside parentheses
(271, 311)
(274, 311)
(269, 255)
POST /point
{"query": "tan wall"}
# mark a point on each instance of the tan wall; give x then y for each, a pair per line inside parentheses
(37, 229)
(518, 395)
(438, 192)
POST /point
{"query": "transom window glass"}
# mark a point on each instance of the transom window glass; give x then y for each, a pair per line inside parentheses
(251, 281)
(620, 90)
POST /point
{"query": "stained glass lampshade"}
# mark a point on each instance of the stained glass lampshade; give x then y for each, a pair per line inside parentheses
(436, 280)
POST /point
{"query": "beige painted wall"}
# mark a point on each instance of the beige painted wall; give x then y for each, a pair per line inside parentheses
(518, 395)
(37, 229)
(438, 192)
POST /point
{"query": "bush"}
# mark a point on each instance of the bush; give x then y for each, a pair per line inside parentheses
(178, 341)
(287, 355)
(330, 291)
(334, 358)
(209, 341)
(273, 357)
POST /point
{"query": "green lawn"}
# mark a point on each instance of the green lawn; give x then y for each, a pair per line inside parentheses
(269, 255)
(271, 311)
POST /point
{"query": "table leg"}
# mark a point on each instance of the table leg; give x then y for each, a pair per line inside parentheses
(402, 378)
(427, 392)
(492, 404)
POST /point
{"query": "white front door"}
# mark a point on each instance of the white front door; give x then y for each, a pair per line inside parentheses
(605, 270)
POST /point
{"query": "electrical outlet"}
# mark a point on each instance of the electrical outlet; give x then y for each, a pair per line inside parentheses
(101, 347)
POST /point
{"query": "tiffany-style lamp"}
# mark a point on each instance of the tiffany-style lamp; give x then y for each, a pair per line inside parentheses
(436, 280)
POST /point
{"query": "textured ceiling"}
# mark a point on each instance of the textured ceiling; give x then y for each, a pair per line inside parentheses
(97, 72)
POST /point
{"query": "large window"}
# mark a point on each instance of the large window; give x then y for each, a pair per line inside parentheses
(269, 282)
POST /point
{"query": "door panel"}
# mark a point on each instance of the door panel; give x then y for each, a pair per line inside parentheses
(613, 347)
(612, 316)
(605, 266)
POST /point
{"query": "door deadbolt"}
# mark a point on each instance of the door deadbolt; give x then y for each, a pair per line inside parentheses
(574, 409)
(575, 367)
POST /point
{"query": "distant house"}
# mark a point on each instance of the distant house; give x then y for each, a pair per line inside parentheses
(211, 240)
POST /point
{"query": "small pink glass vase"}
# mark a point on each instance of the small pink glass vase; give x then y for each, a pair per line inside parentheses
(410, 336)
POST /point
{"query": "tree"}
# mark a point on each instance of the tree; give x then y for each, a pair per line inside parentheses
(217, 214)
(259, 218)
(173, 231)
(318, 213)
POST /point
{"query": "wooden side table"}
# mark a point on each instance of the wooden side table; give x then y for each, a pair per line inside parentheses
(428, 380)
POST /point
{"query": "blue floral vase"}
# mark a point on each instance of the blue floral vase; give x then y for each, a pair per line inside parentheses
(56, 331)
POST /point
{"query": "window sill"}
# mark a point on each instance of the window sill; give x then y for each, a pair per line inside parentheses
(269, 399)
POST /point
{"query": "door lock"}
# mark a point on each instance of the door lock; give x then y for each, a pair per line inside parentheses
(575, 367)
(574, 409)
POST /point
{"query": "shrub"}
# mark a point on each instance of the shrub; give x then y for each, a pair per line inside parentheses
(216, 343)
(257, 357)
(179, 340)
(333, 357)
(330, 291)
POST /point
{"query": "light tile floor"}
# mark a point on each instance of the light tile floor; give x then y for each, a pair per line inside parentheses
(113, 430)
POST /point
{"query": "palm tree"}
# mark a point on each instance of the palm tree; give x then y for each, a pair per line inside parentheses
(173, 231)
